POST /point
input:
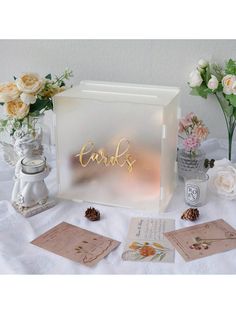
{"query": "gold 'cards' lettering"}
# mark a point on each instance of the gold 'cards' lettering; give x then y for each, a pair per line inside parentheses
(120, 158)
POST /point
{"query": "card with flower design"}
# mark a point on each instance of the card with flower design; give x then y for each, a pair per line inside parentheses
(146, 242)
(203, 240)
(77, 244)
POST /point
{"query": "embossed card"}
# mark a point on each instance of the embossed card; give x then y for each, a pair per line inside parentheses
(75, 243)
(203, 240)
(146, 242)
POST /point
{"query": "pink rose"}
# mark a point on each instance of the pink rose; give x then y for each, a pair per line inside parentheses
(191, 143)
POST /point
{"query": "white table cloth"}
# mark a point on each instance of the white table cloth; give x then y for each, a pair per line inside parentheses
(18, 256)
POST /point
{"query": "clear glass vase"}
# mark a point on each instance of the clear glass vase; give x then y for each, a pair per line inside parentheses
(188, 163)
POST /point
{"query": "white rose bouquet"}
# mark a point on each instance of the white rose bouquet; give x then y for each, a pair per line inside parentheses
(212, 79)
(222, 179)
(28, 97)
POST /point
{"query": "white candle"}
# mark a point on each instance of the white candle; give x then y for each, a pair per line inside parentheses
(32, 165)
(195, 190)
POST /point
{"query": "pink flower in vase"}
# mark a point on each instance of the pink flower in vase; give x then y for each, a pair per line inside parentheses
(191, 143)
(201, 132)
(186, 122)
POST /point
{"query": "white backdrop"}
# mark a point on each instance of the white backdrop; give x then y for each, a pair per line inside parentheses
(162, 62)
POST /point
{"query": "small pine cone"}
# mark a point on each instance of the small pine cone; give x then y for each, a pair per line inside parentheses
(92, 214)
(191, 214)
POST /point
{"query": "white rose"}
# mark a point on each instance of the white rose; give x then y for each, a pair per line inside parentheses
(202, 63)
(233, 88)
(30, 83)
(213, 83)
(195, 78)
(222, 179)
(28, 98)
(8, 92)
(228, 82)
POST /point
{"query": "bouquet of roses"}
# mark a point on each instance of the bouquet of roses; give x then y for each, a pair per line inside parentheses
(28, 96)
(212, 79)
(192, 131)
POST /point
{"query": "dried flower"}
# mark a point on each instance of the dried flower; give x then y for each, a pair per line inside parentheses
(201, 132)
(134, 246)
(147, 250)
(186, 122)
(194, 130)
(191, 143)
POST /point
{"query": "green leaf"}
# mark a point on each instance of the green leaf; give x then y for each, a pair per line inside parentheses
(231, 99)
(216, 70)
(205, 74)
(41, 104)
(202, 91)
(228, 109)
(4, 122)
(49, 76)
(219, 88)
(208, 74)
(230, 67)
(157, 256)
(162, 256)
(225, 104)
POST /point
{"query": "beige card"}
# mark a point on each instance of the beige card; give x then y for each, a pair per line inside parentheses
(146, 242)
(203, 239)
(75, 243)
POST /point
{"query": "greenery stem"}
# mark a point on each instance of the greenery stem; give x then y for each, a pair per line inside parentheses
(226, 120)
(230, 124)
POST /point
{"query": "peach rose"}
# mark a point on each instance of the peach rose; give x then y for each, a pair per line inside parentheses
(16, 109)
(8, 92)
(201, 132)
(30, 83)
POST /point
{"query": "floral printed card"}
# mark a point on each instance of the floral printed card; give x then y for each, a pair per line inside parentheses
(75, 243)
(203, 240)
(146, 242)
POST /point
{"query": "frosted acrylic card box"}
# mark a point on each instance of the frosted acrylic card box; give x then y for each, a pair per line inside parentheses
(116, 144)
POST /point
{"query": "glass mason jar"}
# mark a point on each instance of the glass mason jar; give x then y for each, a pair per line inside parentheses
(189, 163)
